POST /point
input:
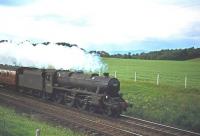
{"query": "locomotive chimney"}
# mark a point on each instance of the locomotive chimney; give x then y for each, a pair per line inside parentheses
(106, 74)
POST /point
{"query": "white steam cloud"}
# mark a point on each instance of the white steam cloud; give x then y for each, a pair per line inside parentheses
(49, 56)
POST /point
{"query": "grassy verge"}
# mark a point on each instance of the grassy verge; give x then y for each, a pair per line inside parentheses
(12, 124)
(167, 103)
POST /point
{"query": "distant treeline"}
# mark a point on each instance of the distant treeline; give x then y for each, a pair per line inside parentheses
(169, 54)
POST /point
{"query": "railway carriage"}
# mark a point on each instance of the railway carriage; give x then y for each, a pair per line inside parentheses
(8, 75)
(39, 82)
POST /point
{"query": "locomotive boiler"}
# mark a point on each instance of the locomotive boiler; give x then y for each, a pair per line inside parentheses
(93, 83)
(89, 92)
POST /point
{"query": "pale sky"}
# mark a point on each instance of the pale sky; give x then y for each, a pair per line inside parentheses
(103, 24)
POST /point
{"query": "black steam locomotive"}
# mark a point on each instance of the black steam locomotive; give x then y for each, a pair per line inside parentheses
(89, 92)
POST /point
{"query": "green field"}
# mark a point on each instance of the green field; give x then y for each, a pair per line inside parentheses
(169, 102)
(12, 124)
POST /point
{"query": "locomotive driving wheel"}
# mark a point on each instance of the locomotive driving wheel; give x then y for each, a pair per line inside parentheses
(107, 111)
(80, 104)
(58, 97)
(69, 101)
(92, 109)
(116, 113)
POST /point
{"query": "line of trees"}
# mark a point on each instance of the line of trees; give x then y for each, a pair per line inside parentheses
(168, 54)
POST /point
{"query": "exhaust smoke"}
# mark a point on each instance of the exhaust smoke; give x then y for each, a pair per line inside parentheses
(49, 56)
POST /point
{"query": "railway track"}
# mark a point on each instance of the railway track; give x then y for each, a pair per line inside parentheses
(164, 129)
(64, 116)
(91, 124)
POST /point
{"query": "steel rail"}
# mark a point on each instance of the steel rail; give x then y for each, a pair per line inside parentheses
(160, 127)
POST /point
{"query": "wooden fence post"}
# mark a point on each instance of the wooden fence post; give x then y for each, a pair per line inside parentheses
(158, 77)
(185, 81)
(135, 76)
(37, 132)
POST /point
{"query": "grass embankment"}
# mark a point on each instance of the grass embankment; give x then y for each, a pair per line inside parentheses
(12, 124)
(195, 60)
(169, 102)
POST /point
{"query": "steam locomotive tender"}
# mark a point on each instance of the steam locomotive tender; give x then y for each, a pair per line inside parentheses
(89, 92)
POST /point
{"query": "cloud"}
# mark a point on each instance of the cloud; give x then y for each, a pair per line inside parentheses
(91, 23)
(15, 2)
(193, 31)
(61, 20)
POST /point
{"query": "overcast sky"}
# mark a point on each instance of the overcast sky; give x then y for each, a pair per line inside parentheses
(103, 24)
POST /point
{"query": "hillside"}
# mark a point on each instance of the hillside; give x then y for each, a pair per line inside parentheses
(195, 60)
